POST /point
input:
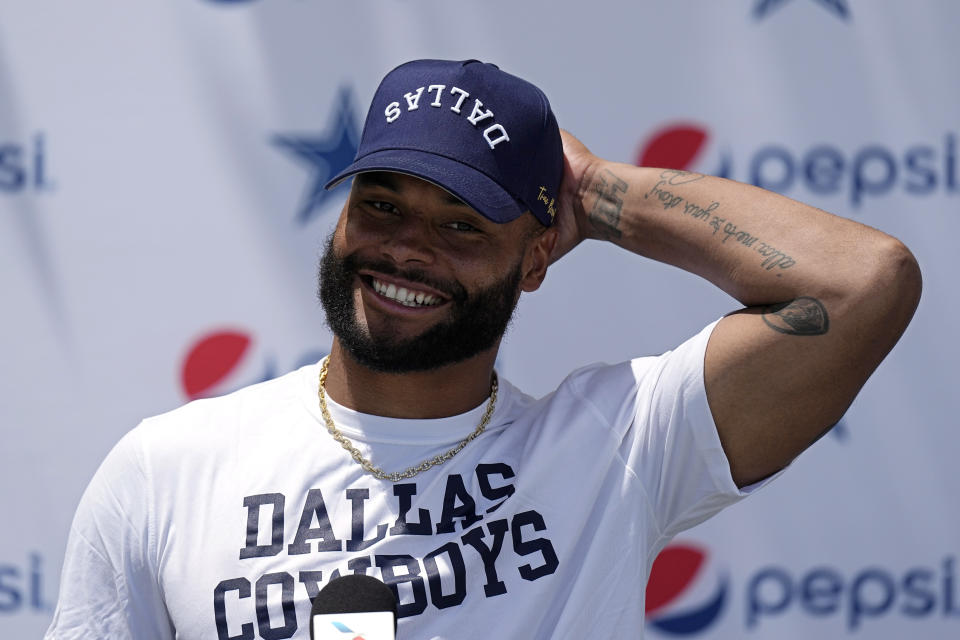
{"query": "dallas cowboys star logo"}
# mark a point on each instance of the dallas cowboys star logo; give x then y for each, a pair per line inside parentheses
(325, 156)
(836, 7)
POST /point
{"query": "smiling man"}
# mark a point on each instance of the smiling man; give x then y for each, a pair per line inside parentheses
(461, 323)
(403, 455)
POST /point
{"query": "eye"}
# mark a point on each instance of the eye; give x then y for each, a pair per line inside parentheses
(463, 227)
(380, 205)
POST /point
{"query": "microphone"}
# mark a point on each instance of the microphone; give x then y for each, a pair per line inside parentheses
(354, 606)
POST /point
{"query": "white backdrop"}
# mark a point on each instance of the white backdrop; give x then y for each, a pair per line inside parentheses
(160, 227)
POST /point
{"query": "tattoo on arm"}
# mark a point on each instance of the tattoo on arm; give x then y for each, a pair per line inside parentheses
(676, 176)
(605, 215)
(710, 217)
(803, 316)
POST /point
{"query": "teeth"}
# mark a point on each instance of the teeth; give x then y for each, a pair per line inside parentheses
(404, 296)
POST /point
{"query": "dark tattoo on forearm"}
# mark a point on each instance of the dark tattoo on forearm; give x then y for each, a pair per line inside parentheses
(605, 215)
(772, 256)
(803, 316)
(676, 177)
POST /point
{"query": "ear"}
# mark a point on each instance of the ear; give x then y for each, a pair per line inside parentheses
(536, 259)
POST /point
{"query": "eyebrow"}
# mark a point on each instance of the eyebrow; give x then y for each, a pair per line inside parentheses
(385, 180)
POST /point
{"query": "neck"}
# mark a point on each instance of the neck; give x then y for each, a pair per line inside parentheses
(438, 393)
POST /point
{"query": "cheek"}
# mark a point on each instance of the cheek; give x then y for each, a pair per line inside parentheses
(359, 232)
(341, 235)
(358, 307)
(344, 217)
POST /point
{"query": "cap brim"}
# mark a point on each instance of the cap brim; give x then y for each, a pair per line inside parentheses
(475, 189)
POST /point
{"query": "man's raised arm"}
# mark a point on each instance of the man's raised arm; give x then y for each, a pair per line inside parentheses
(826, 297)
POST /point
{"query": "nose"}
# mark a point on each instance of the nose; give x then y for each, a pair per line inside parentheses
(410, 241)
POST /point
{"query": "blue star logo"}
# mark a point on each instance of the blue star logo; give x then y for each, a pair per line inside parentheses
(836, 7)
(326, 155)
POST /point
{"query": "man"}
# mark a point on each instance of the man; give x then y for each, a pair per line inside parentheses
(404, 456)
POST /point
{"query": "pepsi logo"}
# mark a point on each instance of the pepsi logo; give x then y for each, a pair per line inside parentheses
(860, 174)
(222, 360)
(213, 362)
(684, 595)
(675, 146)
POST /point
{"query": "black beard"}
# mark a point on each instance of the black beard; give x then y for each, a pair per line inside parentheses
(476, 320)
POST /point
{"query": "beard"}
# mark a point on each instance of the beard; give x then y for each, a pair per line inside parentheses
(476, 321)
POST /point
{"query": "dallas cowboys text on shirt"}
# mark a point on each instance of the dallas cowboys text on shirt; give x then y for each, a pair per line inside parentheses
(491, 544)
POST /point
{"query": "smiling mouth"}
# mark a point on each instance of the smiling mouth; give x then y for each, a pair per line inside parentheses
(406, 296)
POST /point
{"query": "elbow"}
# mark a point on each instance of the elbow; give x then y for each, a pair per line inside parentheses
(894, 285)
(903, 277)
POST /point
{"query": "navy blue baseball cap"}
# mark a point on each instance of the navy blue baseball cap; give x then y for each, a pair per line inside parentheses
(486, 136)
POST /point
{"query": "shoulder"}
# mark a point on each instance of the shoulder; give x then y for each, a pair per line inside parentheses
(603, 384)
(237, 410)
(614, 395)
(598, 394)
(259, 415)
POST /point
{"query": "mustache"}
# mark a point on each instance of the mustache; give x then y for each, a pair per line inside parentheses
(352, 264)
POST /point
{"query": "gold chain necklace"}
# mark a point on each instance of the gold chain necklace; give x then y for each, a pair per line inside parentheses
(379, 473)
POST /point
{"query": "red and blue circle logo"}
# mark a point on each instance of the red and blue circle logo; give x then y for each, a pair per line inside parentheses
(676, 146)
(222, 360)
(685, 595)
(219, 361)
(683, 146)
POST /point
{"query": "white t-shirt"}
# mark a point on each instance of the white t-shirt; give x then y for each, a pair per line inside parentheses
(223, 518)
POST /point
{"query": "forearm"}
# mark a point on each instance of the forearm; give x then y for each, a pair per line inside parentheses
(827, 297)
(758, 246)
